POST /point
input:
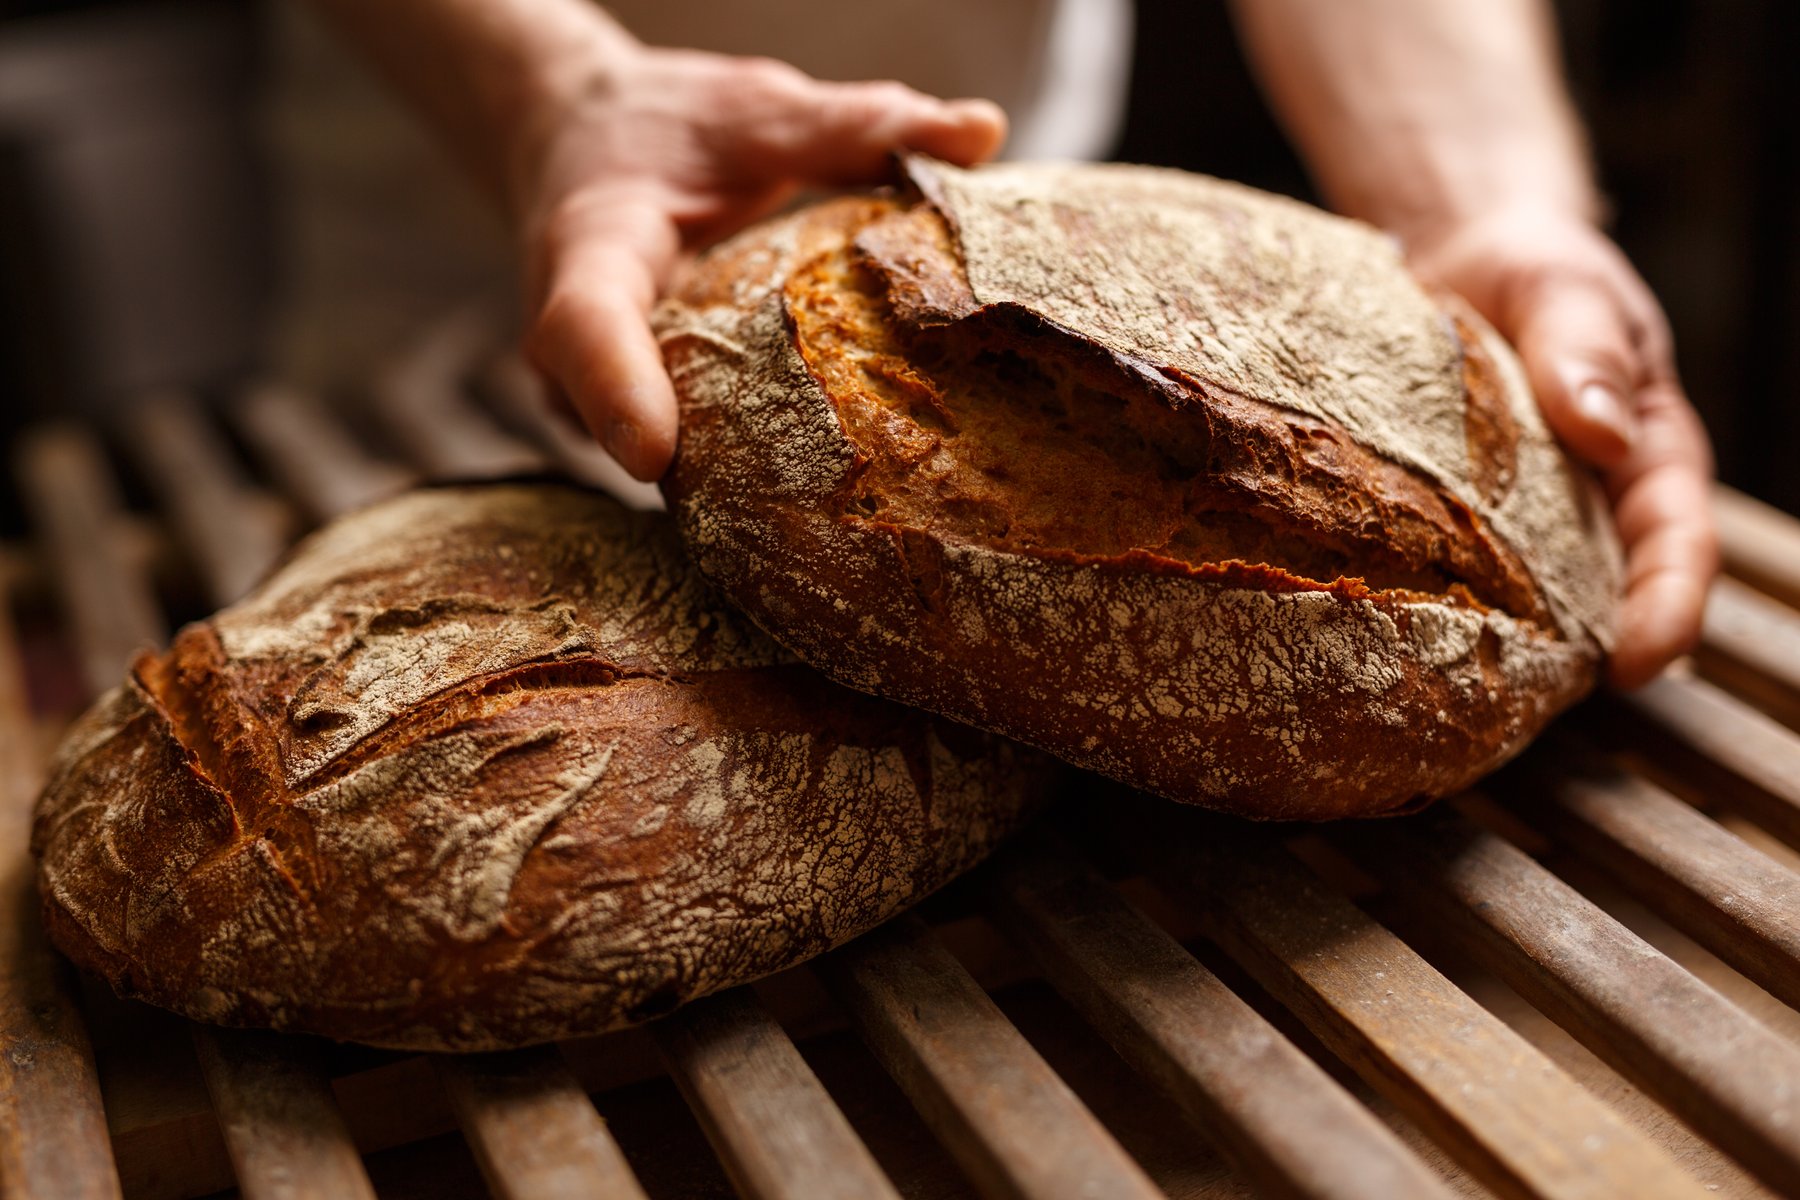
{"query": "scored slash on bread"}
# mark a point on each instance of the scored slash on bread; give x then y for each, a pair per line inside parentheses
(1185, 483)
(487, 766)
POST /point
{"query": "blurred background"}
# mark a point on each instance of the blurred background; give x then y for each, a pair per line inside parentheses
(195, 193)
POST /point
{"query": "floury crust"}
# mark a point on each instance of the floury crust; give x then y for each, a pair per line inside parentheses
(1183, 483)
(481, 767)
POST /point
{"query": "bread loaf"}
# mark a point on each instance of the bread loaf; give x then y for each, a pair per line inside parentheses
(486, 766)
(1186, 483)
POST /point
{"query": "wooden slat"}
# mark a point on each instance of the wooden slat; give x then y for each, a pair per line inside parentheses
(281, 1125)
(1011, 1122)
(1760, 543)
(280, 1080)
(421, 399)
(1730, 897)
(68, 489)
(1751, 643)
(203, 498)
(312, 456)
(779, 1134)
(1727, 1075)
(534, 1132)
(1285, 1123)
(222, 522)
(53, 1139)
(165, 1120)
(1714, 744)
(508, 385)
(1492, 1099)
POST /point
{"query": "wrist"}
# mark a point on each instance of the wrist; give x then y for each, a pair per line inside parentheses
(1428, 227)
(489, 74)
(1527, 219)
(1431, 192)
(578, 75)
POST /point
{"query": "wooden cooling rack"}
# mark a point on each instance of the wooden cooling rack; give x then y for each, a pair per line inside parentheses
(1579, 982)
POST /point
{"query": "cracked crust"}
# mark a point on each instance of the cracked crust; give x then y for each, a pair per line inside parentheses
(481, 767)
(1187, 484)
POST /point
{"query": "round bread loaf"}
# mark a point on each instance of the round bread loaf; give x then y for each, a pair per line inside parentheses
(487, 766)
(1188, 484)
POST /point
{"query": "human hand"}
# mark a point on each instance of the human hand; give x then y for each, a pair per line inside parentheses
(667, 150)
(1599, 355)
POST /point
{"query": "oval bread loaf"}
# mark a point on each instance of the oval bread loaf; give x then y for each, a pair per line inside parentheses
(487, 766)
(1186, 483)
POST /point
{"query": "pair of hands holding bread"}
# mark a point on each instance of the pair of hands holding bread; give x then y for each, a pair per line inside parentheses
(1446, 124)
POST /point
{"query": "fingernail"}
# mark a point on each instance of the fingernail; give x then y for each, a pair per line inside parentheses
(622, 442)
(1602, 405)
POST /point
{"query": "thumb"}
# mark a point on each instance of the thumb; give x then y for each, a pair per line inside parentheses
(1575, 340)
(837, 134)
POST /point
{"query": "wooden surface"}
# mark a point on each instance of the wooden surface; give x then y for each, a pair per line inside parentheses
(1713, 746)
(69, 492)
(231, 532)
(1583, 985)
(1288, 1125)
(281, 1125)
(779, 1134)
(533, 1129)
(1733, 898)
(1731, 1077)
(1503, 1108)
(53, 1138)
(422, 400)
(1751, 643)
(1009, 1119)
(1760, 544)
(316, 460)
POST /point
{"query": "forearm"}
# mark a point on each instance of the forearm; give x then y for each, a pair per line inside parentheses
(1420, 114)
(488, 74)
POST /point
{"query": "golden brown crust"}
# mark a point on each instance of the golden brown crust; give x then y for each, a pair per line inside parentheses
(489, 766)
(1198, 548)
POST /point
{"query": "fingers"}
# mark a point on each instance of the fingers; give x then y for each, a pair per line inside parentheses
(1578, 350)
(1598, 352)
(1662, 505)
(1668, 571)
(600, 264)
(836, 134)
(602, 254)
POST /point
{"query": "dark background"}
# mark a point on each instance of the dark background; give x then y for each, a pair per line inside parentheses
(1693, 107)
